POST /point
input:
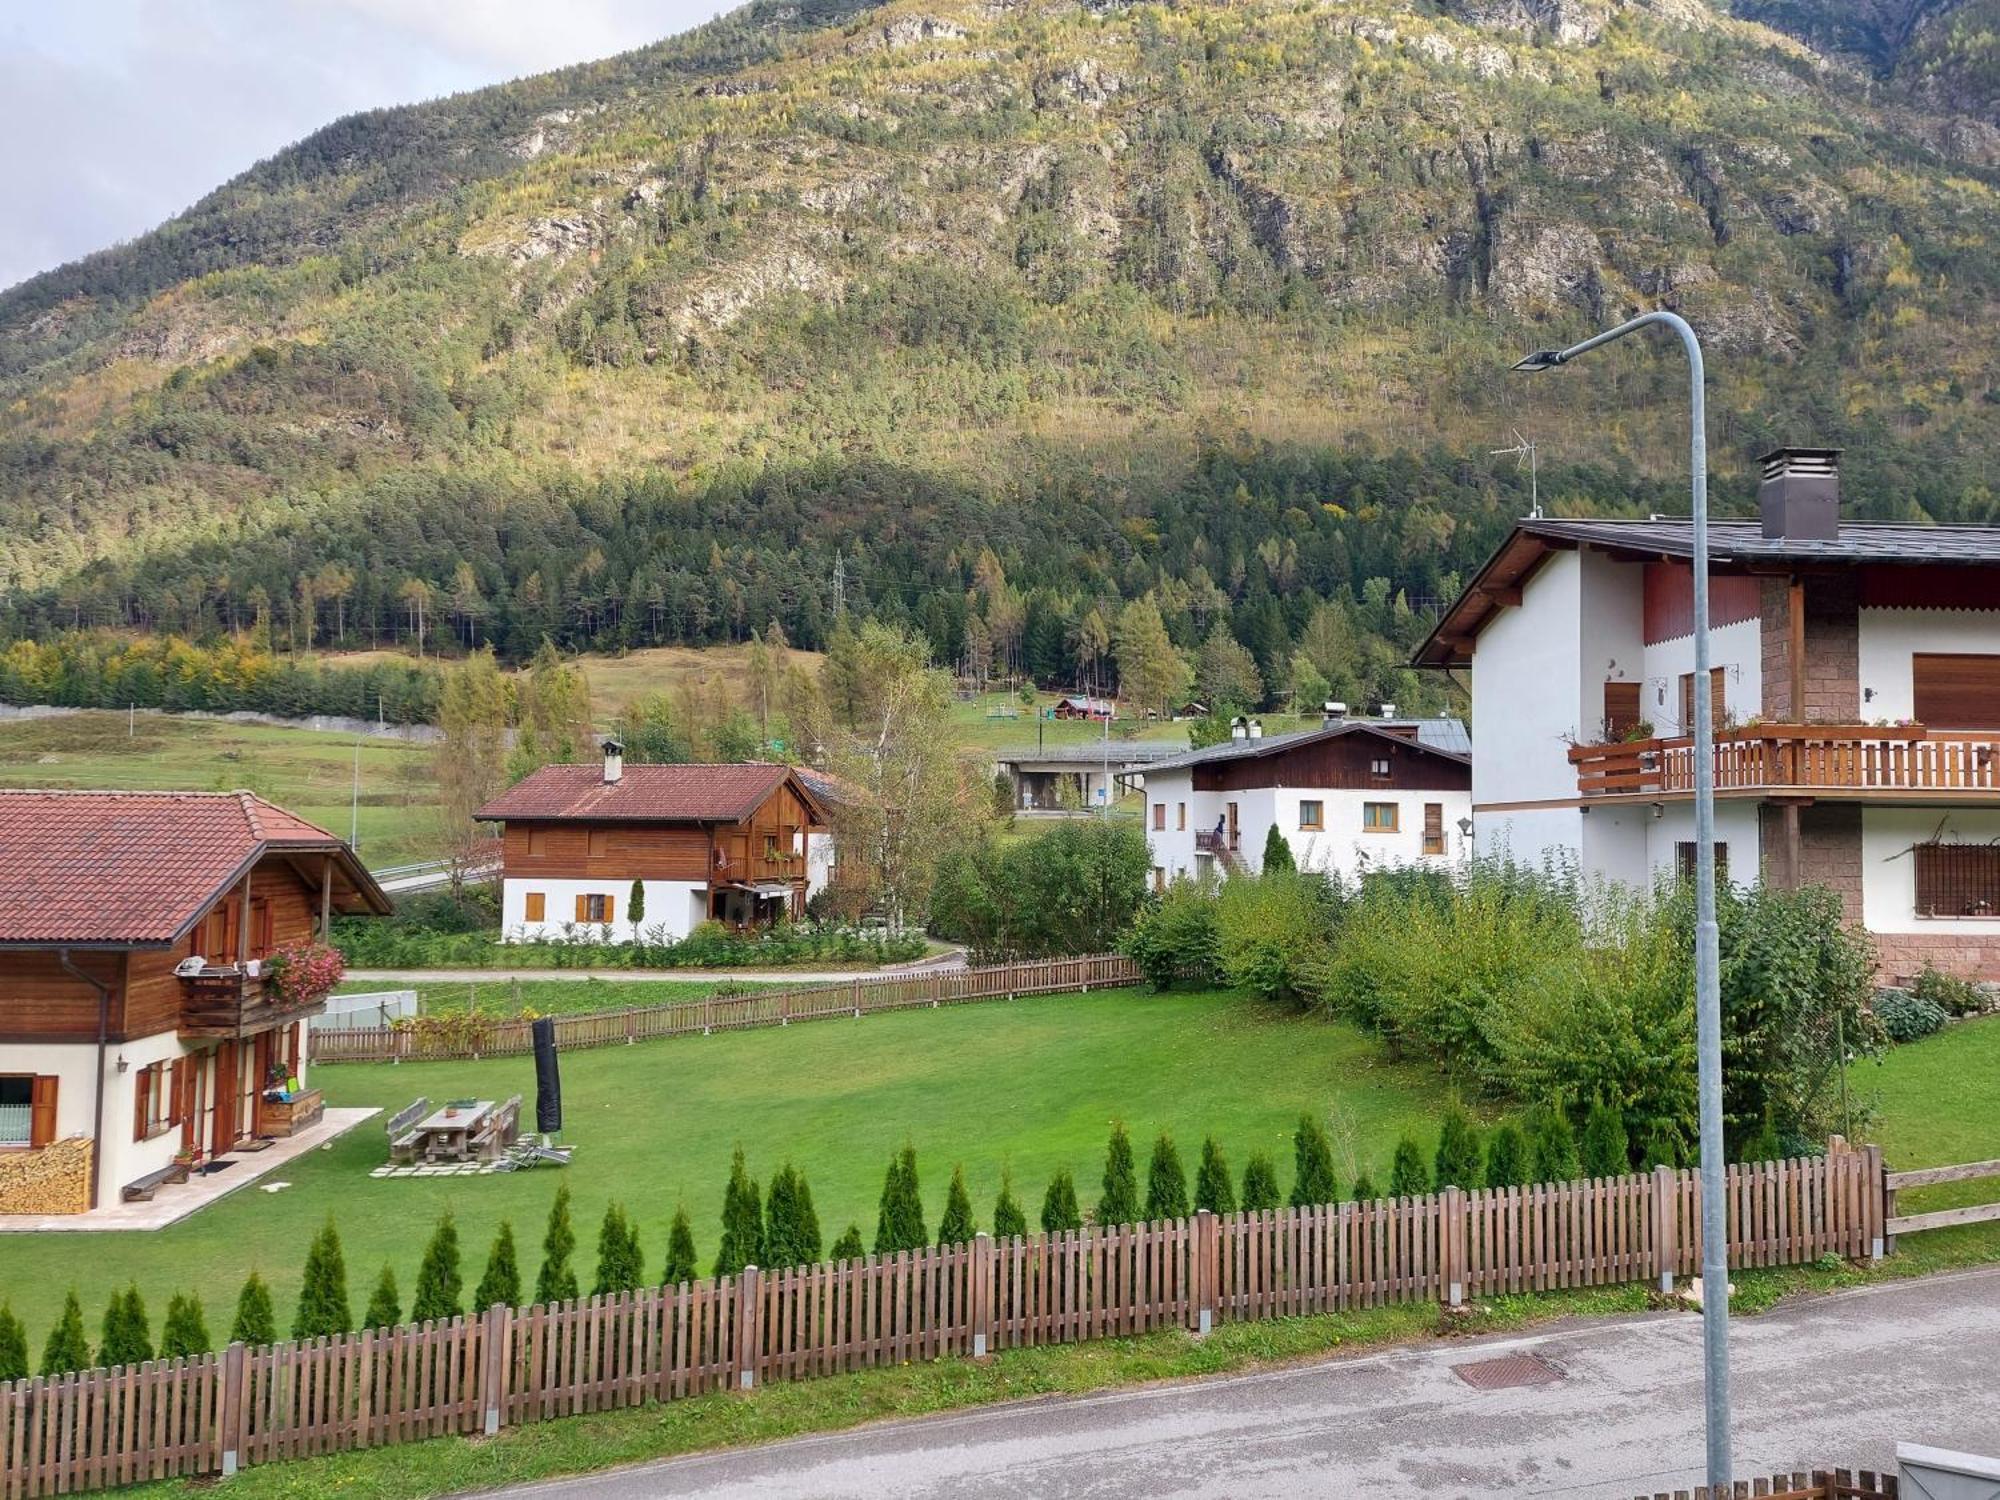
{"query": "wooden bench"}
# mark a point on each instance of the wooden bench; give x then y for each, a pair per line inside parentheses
(143, 1189)
(402, 1132)
(499, 1130)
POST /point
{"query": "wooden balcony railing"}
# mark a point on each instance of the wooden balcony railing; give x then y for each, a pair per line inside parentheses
(1791, 757)
(226, 1003)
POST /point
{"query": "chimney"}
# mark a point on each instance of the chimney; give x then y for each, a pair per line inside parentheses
(1799, 495)
(1239, 728)
(1388, 711)
(1332, 712)
(1256, 729)
(614, 762)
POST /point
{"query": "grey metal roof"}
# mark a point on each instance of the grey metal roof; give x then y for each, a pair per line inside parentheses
(1858, 541)
(1445, 736)
(1122, 752)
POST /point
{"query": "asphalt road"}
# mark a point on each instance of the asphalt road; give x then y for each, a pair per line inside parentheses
(1834, 1381)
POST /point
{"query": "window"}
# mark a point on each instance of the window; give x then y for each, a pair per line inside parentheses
(770, 846)
(1180, 816)
(1684, 861)
(1378, 767)
(17, 1109)
(1958, 880)
(536, 907)
(538, 842)
(152, 1102)
(1159, 817)
(594, 909)
(1312, 815)
(1159, 878)
(1955, 690)
(1717, 713)
(1379, 817)
(1621, 709)
(263, 928)
(1433, 828)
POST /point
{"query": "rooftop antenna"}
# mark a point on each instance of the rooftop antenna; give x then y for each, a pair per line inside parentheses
(1523, 449)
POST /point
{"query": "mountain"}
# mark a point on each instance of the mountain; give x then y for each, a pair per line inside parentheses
(876, 304)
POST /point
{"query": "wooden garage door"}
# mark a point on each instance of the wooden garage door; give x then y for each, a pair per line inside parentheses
(1955, 690)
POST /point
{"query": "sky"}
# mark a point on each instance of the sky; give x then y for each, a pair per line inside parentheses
(123, 112)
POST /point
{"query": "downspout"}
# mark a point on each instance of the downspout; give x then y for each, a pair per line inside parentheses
(97, 1101)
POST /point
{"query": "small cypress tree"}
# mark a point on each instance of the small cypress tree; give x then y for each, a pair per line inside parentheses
(1277, 853)
(791, 1226)
(1507, 1157)
(1008, 1220)
(620, 1268)
(1552, 1154)
(323, 1309)
(635, 907)
(111, 1332)
(1059, 1206)
(135, 1331)
(385, 1303)
(440, 1283)
(899, 1222)
(256, 1321)
(1662, 1147)
(500, 1282)
(1166, 1183)
(848, 1246)
(742, 1221)
(1409, 1176)
(1260, 1184)
(1764, 1145)
(184, 1334)
(67, 1348)
(1364, 1188)
(1120, 1202)
(1312, 1165)
(13, 1345)
(1458, 1155)
(1212, 1188)
(1606, 1150)
(556, 1281)
(957, 1226)
(680, 1264)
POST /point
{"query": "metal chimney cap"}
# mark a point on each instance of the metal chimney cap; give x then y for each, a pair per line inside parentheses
(611, 746)
(1781, 461)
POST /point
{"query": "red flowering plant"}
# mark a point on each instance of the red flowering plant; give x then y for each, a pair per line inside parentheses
(304, 973)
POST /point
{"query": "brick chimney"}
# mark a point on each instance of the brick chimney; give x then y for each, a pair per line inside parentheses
(1799, 495)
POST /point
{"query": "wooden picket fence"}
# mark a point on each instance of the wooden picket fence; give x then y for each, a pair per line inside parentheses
(505, 1366)
(1820, 1484)
(780, 1006)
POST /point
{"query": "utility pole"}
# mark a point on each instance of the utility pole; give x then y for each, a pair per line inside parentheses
(354, 804)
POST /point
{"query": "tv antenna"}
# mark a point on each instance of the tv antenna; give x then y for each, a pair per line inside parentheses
(1525, 450)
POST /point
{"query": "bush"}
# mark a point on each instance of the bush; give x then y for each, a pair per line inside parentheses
(620, 1265)
(1277, 853)
(1952, 995)
(1662, 1148)
(1273, 932)
(1606, 1150)
(1260, 1184)
(67, 1349)
(1073, 887)
(1119, 1203)
(1408, 1176)
(323, 1309)
(957, 1227)
(1212, 1188)
(13, 1345)
(1060, 1210)
(500, 1282)
(1552, 1154)
(1458, 1162)
(680, 1263)
(742, 1221)
(556, 1281)
(1008, 1220)
(1177, 937)
(1312, 1165)
(1364, 1188)
(127, 1338)
(1507, 1158)
(791, 1224)
(1907, 1016)
(408, 942)
(899, 1224)
(385, 1307)
(1166, 1183)
(256, 1322)
(848, 1246)
(439, 1281)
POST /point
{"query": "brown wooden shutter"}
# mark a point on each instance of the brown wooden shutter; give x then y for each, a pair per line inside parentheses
(42, 1110)
(1621, 709)
(537, 906)
(141, 1087)
(583, 908)
(1956, 690)
(177, 1091)
(610, 908)
(1716, 711)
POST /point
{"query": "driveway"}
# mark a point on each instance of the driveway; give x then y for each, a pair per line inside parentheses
(1826, 1382)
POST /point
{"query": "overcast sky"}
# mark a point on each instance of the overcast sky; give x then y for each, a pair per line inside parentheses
(122, 112)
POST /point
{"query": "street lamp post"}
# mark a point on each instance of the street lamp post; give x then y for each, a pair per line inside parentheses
(1707, 982)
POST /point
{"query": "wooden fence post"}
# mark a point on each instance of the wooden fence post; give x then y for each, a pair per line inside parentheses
(1451, 1247)
(1880, 1200)
(494, 1367)
(982, 1296)
(232, 1409)
(1666, 1224)
(749, 1337)
(1204, 1272)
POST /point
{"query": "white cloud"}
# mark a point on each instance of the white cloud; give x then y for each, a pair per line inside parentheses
(126, 111)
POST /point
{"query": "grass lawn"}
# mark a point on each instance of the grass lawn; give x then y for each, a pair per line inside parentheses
(1033, 1085)
(309, 772)
(551, 997)
(1939, 1102)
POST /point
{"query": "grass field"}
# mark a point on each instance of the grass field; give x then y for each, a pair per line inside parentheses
(309, 772)
(551, 997)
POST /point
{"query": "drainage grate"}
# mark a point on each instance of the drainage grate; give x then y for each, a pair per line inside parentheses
(1506, 1372)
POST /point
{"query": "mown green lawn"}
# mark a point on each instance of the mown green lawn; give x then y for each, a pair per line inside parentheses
(1033, 1085)
(1938, 1102)
(553, 997)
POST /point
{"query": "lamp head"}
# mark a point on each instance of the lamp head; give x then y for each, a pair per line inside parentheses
(1541, 359)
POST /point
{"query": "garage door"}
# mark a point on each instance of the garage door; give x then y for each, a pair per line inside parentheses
(1956, 690)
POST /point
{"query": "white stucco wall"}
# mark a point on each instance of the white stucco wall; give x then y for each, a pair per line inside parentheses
(1611, 633)
(1889, 872)
(74, 1066)
(1527, 701)
(819, 864)
(1736, 825)
(1340, 848)
(1614, 844)
(1529, 835)
(1890, 636)
(1738, 649)
(672, 907)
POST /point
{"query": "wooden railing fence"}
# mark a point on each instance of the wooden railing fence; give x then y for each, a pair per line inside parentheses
(505, 1366)
(859, 996)
(1832, 756)
(1820, 1484)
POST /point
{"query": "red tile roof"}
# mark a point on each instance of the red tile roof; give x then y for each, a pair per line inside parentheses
(137, 868)
(644, 794)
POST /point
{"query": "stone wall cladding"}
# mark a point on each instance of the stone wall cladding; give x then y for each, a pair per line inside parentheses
(1773, 617)
(1833, 651)
(53, 1180)
(1901, 956)
(1830, 852)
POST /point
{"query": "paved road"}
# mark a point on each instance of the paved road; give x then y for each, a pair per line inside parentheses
(1831, 1381)
(417, 978)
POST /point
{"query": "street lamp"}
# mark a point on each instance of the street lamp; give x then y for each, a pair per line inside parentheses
(1707, 984)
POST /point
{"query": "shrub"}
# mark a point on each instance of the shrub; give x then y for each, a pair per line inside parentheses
(791, 1224)
(1177, 937)
(1260, 1184)
(1364, 1188)
(1662, 1148)
(67, 1349)
(1552, 1154)
(323, 1309)
(621, 1266)
(1408, 1175)
(1907, 1016)
(848, 1246)
(127, 1337)
(1212, 1188)
(440, 1282)
(1312, 1165)
(957, 1227)
(1166, 1183)
(1119, 1203)
(556, 1281)
(1059, 1205)
(1952, 995)
(256, 1321)
(1763, 1145)
(899, 1223)
(13, 1345)
(1606, 1150)
(500, 1282)
(385, 1308)
(184, 1334)
(742, 1221)
(1073, 887)
(1277, 853)
(1273, 932)
(1008, 1220)
(1458, 1159)
(1507, 1157)
(680, 1264)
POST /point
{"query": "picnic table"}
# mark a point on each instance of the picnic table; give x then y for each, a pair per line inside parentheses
(447, 1132)
(459, 1130)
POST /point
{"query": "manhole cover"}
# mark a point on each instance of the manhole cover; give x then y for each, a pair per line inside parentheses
(1508, 1371)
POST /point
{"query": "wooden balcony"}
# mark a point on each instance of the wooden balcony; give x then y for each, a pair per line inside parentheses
(225, 1002)
(1821, 760)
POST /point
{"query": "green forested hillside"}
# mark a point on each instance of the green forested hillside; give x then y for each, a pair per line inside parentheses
(823, 302)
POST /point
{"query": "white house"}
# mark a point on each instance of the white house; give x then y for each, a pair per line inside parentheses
(1856, 687)
(1352, 796)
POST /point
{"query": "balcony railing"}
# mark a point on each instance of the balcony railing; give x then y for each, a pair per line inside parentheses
(226, 1002)
(1799, 757)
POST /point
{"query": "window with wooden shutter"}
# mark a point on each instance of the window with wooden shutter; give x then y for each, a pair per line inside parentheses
(595, 909)
(1621, 709)
(177, 1078)
(1159, 817)
(538, 842)
(1433, 828)
(21, 1110)
(1718, 715)
(263, 928)
(43, 1111)
(1955, 690)
(583, 908)
(536, 906)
